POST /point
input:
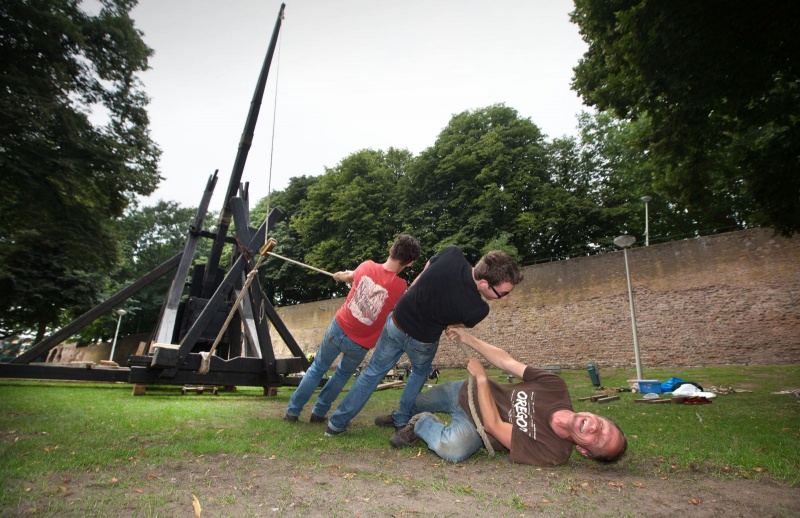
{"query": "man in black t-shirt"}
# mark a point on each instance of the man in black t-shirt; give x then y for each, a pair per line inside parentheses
(449, 291)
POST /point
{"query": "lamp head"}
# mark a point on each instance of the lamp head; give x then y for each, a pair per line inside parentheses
(624, 241)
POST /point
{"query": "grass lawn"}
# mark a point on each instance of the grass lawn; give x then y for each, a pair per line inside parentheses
(57, 427)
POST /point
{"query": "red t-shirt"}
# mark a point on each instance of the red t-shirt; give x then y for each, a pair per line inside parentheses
(374, 293)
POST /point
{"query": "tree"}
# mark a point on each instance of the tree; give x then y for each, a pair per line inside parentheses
(719, 83)
(283, 282)
(482, 185)
(150, 236)
(350, 214)
(74, 151)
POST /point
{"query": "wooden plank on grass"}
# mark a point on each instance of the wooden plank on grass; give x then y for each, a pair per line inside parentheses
(391, 384)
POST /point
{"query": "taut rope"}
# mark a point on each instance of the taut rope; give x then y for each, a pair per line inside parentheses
(471, 386)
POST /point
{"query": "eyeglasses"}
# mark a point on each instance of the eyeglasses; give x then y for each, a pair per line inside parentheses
(499, 295)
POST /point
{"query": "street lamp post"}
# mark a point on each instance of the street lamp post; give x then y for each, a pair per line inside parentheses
(624, 242)
(646, 200)
(120, 312)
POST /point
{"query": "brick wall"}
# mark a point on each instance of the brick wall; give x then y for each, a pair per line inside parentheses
(728, 299)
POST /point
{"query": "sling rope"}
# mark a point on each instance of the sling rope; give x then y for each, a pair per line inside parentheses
(272, 141)
(471, 387)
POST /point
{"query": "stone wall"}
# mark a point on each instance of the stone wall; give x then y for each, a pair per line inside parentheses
(727, 299)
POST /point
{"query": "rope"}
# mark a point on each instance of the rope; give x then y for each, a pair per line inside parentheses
(299, 263)
(272, 142)
(471, 385)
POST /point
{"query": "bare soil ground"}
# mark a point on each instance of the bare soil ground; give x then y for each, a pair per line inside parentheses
(412, 482)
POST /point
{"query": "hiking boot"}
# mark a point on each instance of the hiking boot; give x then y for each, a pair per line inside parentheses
(317, 419)
(386, 421)
(290, 418)
(405, 436)
(330, 432)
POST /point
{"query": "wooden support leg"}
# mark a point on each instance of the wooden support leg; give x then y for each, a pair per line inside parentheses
(139, 389)
(270, 391)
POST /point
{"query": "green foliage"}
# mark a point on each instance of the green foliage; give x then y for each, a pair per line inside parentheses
(148, 237)
(491, 181)
(477, 183)
(349, 215)
(65, 176)
(719, 83)
(284, 282)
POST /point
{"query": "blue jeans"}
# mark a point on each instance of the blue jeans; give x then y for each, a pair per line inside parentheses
(334, 342)
(456, 441)
(391, 346)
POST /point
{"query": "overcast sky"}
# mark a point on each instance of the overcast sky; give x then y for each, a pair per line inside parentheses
(349, 75)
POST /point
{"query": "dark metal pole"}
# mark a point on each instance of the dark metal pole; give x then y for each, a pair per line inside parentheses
(238, 166)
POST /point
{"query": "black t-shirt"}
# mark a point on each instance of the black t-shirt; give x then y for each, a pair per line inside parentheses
(444, 294)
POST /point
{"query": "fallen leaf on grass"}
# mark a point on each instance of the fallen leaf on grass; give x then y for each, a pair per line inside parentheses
(350, 475)
(152, 475)
(196, 506)
(114, 480)
(638, 484)
(696, 501)
(617, 484)
(139, 490)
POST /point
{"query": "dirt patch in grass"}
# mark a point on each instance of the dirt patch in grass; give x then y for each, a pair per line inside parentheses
(387, 482)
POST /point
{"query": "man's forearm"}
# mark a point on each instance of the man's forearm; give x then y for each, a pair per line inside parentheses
(490, 417)
(493, 355)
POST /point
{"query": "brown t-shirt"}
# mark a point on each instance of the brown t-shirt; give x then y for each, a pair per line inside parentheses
(528, 406)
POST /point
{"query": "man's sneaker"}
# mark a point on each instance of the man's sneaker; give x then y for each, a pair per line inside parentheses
(385, 421)
(330, 432)
(405, 436)
(290, 418)
(317, 419)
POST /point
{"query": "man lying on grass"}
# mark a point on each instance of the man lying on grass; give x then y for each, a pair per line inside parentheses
(533, 420)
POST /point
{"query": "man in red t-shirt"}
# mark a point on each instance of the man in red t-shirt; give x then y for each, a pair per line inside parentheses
(532, 420)
(356, 326)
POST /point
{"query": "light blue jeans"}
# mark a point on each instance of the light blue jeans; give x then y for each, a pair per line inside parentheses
(334, 342)
(454, 442)
(391, 346)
